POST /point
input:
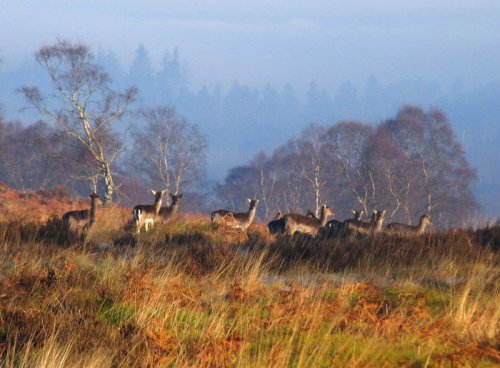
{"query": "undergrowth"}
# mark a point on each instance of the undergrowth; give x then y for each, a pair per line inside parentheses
(185, 294)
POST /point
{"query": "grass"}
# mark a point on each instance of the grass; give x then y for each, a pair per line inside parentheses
(186, 295)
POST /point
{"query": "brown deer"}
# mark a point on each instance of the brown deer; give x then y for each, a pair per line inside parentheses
(277, 225)
(235, 220)
(374, 226)
(409, 230)
(79, 221)
(305, 224)
(144, 214)
(166, 214)
(335, 226)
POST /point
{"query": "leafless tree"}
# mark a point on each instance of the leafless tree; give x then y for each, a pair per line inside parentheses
(310, 162)
(344, 146)
(82, 104)
(168, 151)
(443, 174)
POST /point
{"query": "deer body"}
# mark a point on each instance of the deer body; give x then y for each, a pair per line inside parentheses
(166, 214)
(409, 230)
(239, 220)
(305, 224)
(144, 214)
(277, 225)
(82, 220)
(374, 226)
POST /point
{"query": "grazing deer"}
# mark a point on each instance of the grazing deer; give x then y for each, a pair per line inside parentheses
(240, 220)
(277, 225)
(82, 220)
(144, 214)
(168, 213)
(409, 230)
(304, 224)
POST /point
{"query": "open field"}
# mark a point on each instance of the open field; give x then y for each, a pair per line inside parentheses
(186, 295)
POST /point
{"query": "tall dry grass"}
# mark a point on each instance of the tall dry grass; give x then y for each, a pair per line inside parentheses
(187, 295)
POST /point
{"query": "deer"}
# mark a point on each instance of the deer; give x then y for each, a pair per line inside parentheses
(374, 226)
(334, 226)
(277, 225)
(82, 220)
(168, 213)
(304, 224)
(409, 230)
(235, 220)
(144, 214)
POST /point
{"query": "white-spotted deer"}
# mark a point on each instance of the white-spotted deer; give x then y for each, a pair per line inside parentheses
(144, 214)
(305, 224)
(79, 221)
(409, 230)
(235, 220)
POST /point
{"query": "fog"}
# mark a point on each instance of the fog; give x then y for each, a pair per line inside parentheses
(319, 61)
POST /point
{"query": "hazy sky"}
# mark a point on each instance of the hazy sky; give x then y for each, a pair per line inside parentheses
(277, 41)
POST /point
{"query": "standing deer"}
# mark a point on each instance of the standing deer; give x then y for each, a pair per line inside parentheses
(82, 220)
(168, 213)
(277, 225)
(305, 224)
(240, 220)
(335, 226)
(144, 214)
(374, 226)
(408, 230)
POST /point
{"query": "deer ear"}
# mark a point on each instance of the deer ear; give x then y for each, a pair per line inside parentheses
(179, 196)
(152, 191)
(353, 211)
(249, 200)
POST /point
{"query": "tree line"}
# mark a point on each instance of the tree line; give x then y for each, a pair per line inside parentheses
(408, 164)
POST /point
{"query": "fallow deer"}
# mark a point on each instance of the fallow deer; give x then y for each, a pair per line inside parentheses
(166, 214)
(239, 220)
(304, 224)
(335, 226)
(409, 230)
(144, 214)
(374, 226)
(277, 225)
(79, 221)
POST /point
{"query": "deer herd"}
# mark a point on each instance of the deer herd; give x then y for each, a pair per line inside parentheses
(282, 224)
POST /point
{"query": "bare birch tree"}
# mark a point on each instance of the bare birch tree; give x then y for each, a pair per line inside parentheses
(168, 150)
(344, 145)
(82, 104)
(311, 162)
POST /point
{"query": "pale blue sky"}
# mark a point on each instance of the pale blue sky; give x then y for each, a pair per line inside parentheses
(274, 41)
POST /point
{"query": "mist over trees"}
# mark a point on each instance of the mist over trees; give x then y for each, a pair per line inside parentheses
(409, 165)
(243, 120)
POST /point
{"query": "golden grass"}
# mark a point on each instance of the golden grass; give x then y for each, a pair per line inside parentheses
(187, 295)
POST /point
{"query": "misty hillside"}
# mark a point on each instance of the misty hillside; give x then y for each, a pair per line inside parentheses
(245, 120)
